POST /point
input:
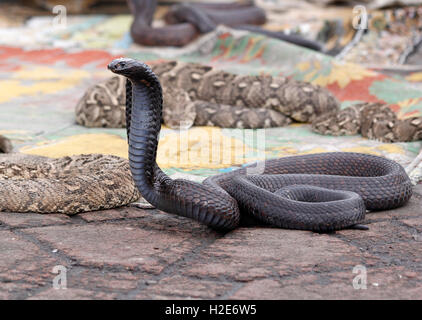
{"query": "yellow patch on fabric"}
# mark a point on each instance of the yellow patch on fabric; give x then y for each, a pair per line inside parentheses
(362, 149)
(46, 73)
(314, 150)
(46, 81)
(81, 144)
(392, 148)
(415, 77)
(341, 73)
(199, 147)
(202, 147)
(377, 150)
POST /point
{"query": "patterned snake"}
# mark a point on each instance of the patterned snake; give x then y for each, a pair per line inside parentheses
(319, 192)
(200, 95)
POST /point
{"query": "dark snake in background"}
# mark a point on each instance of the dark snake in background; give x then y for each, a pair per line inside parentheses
(5, 145)
(187, 20)
(318, 192)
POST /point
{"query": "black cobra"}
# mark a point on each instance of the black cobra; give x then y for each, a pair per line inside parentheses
(319, 192)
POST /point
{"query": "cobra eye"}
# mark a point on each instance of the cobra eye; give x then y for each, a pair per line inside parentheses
(122, 65)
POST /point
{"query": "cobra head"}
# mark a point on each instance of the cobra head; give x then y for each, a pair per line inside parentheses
(126, 67)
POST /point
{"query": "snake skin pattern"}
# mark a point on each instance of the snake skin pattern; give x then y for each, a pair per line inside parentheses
(65, 185)
(373, 120)
(103, 105)
(196, 94)
(280, 192)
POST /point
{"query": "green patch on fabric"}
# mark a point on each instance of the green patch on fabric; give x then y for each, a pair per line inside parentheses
(393, 91)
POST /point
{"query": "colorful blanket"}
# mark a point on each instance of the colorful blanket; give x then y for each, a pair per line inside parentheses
(41, 84)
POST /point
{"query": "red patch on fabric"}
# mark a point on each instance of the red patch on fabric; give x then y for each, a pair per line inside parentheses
(357, 90)
(225, 35)
(51, 56)
(8, 67)
(257, 55)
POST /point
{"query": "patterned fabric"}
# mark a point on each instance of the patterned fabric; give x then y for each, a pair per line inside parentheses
(39, 88)
(390, 37)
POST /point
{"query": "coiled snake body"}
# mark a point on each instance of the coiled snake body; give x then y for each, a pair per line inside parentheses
(319, 192)
(186, 20)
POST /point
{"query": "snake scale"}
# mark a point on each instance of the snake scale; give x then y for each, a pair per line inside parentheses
(319, 192)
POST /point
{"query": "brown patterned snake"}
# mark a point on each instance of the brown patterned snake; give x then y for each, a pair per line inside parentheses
(65, 185)
(201, 95)
(196, 94)
(372, 120)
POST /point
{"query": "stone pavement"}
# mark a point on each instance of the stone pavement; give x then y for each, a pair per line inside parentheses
(129, 253)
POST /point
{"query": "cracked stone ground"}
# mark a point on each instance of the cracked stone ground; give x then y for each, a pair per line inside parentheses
(129, 253)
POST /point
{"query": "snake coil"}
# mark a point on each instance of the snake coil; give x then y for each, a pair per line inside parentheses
(319, 192)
